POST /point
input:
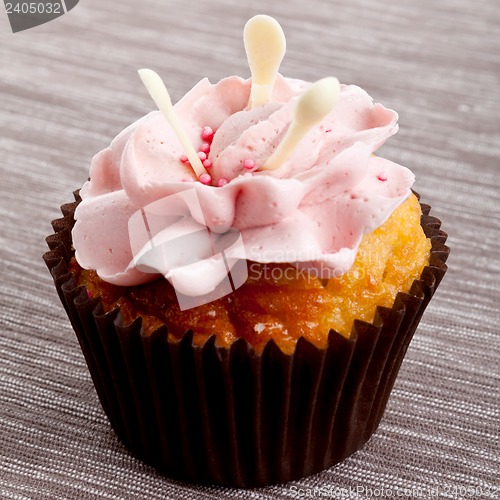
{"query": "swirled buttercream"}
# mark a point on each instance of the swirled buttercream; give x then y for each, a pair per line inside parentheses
(311, 211)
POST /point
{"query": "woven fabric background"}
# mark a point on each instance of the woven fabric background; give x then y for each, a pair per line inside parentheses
(68, 87)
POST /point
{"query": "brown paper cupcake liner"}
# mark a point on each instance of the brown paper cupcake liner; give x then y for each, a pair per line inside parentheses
(230, 416)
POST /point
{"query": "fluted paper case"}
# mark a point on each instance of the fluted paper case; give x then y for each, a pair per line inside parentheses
(207, 414)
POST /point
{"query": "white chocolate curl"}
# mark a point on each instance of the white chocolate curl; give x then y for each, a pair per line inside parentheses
(265, 46)
(313, 105)
(159, 93)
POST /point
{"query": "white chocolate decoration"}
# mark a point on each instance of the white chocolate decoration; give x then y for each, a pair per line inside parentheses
(265, 46)
(157, 90)
(313, 105)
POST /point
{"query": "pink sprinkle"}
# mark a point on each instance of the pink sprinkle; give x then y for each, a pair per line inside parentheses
(207, 163)
(205, 147)
(207, 134)
(329, 130)
(89, 294)
(222, 182)
(202, 156)
(382, 176)
(249, 164)
(205, 179)
(184, 158)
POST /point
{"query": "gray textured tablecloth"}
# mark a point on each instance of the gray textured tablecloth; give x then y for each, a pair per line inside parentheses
(68, 87)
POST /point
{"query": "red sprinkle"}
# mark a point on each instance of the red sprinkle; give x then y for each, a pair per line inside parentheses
(249, 164)
(222, 182)
(205, 148)
(382, 176)
(202, 156)
(89, 294)
(205, 179)
(207, 134)
(207, 163)
(184, 158)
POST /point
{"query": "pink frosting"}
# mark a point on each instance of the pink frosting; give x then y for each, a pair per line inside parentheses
(312, 211)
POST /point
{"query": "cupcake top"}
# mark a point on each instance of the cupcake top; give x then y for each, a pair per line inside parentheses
(268, 169)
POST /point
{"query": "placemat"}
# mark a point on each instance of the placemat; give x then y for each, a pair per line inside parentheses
(69, 86)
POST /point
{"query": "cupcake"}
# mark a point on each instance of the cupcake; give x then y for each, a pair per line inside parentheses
(244, 274)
